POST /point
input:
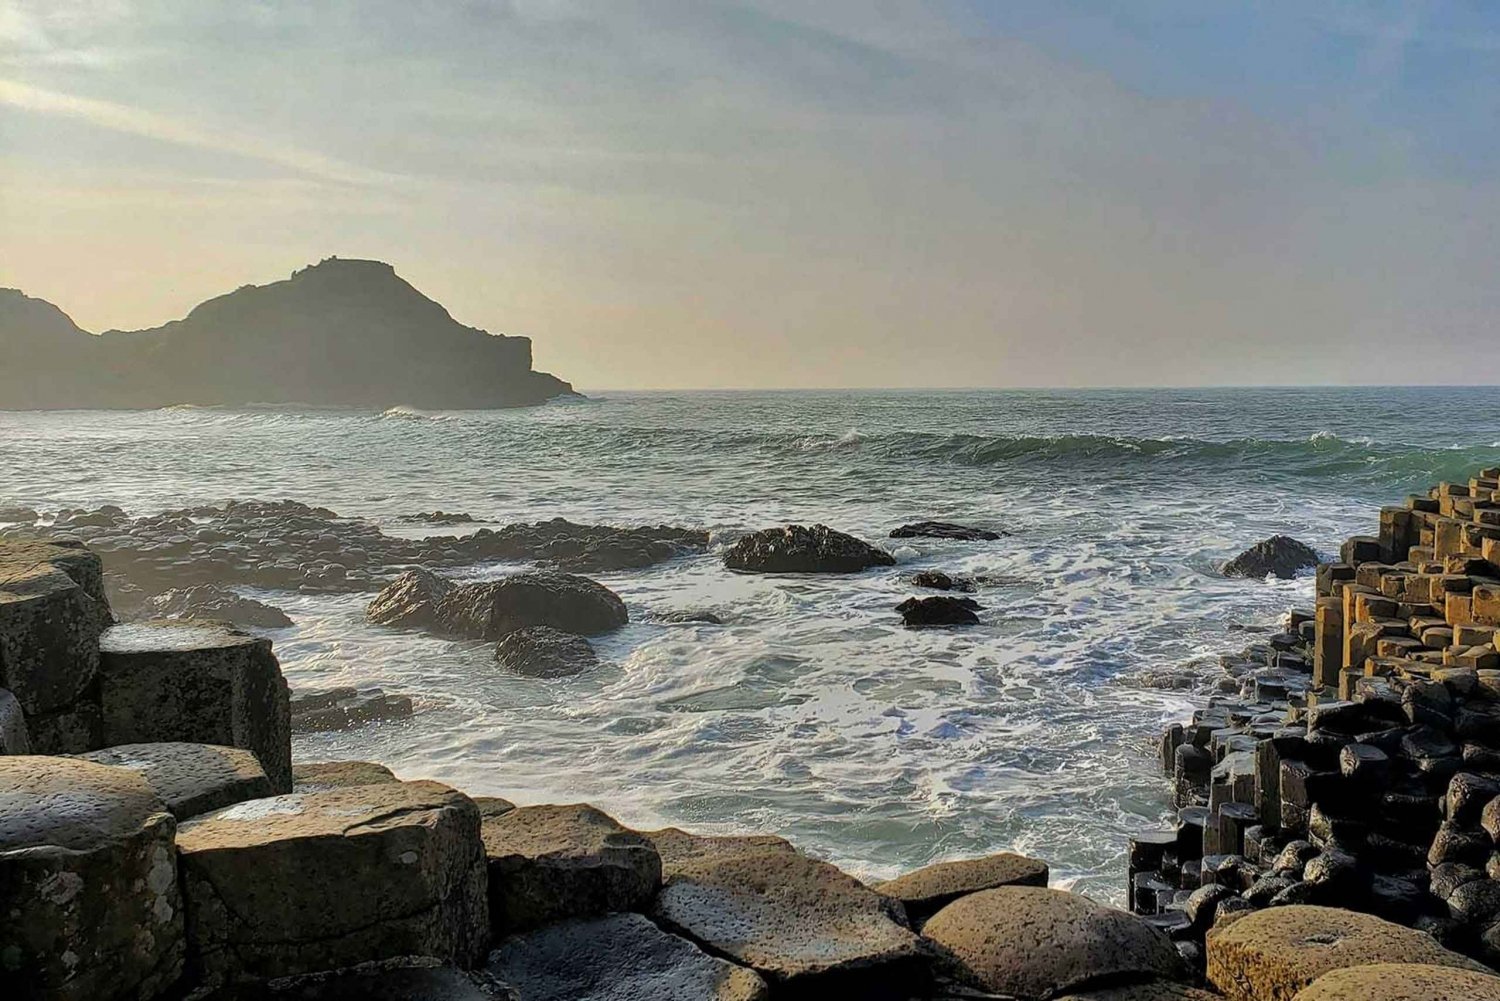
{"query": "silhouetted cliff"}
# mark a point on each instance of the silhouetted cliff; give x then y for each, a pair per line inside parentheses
(339, 333)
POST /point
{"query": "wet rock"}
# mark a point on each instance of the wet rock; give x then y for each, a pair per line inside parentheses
(14, 737)
(548, 863)
(1402, 982)
(491, 610)
(691, 616)
(544, 652)
(1033, 943)
(19, 515)
(210, 601)
(346, 709)
(403, 861)
(191, 778)
(437, 518)
(88, 883)
(411, 601)
(617, 958)
(800, 549)
(938, 611)
(202, 683)
(803, 925)
(1273, 954)
(939, 581)
(406, 979)
(1280, 555)
(928, 890)
(52, 611)
(322, 775)
(944, 530)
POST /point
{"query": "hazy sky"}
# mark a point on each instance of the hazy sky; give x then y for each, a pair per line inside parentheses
(832, 193)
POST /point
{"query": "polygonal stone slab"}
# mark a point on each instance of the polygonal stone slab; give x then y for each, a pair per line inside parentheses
(88, 883)
(1402, 982)
(623, 957)
(192, 778)
(318, 776)
(1034, 943)
(801, 924)
(321, 880)
(931, 888)
(1272, 954)
(198, 682)
(547, 863)
(678, 848)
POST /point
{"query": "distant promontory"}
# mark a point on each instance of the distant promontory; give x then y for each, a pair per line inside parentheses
(338, 333)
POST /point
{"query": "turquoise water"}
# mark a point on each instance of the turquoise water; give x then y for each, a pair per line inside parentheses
(811, 712)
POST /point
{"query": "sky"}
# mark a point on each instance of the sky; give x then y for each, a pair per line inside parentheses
(782, 194)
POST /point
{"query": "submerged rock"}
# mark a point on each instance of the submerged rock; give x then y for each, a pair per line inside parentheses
(544, 652)
(345, 709)
(941, 610)
(944, 530)
(800, 549)
(491, 610)
(437, 518)
(210, 601)
(939, 581)
(1280, 555)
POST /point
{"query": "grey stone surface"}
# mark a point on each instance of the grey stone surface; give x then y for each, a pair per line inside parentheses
(490, 610)
(192, 778)
(88, 883)
(314, 881)
(679, 849)
(931, 888)
(319, 776)
(404, 979)
(1034, 943)
(623, 957)
(544, 652)
(803, 925)
(14, 737)
(196, 682)
(547, 863)
(52, 610)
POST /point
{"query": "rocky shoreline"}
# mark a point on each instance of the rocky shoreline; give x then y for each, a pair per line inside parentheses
(158, 841)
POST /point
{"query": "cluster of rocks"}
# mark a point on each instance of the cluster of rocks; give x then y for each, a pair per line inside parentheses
(1353, 759)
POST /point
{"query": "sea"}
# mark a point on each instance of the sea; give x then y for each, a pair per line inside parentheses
(811, 712)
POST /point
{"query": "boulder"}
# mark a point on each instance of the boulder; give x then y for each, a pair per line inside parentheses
(928, 890)
(322, 880)
(1402, 982)
(1033, 943)
(1280, 555)
(679, 849)
(322, 775)
(490, 610)
(547, 863)
(14, 737)
(803, 925)
(623, 957)
(944, 530)
(191, 778)
(544, 652)
(204, 683)
(410, 978)
(939, 581)
(1272, 954)
(800, 549)
(942, 610)
(345, 709)
(219, 604)
(88, 883)
(52, 610)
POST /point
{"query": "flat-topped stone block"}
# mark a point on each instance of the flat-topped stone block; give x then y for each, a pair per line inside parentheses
(1272, 954)
(679, 849)
(52, 610)
(547, 863)
(622, 957)
(1033, 943)
(1402, 982)
(88, 883)
(321, 880)
(931, 888)
(196, 682)
(318, 776)
(192, 778)
(803, 925)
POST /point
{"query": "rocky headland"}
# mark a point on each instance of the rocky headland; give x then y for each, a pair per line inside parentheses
(339, 333)
(157, 839)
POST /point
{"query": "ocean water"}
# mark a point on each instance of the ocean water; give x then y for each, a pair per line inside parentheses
(811, 712)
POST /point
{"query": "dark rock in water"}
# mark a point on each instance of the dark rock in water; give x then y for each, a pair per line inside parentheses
(209, 601)
(1281, 555)
(939, 581)
(944, 530)
(437, 518)
(340, 333)
(708, 618)
(589, 548)
(544, 652)
(345, 709)
(800, 549)
(941, 610)
(490, 610)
